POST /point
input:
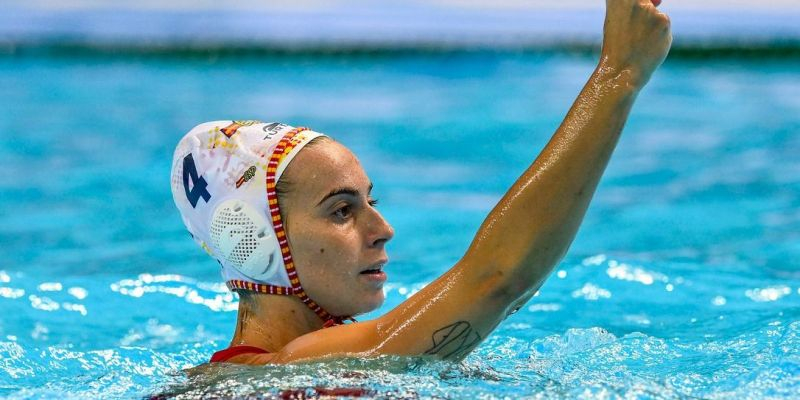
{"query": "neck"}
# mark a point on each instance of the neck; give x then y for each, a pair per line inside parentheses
(270, 322)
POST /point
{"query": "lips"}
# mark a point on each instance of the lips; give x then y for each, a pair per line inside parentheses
(373, 269)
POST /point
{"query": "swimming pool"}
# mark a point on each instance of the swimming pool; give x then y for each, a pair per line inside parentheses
(684, 280)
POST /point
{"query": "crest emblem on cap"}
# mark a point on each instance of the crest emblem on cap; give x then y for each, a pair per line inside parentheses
(231, 129)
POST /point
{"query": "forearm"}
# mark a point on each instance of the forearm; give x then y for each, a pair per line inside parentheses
(531, 228)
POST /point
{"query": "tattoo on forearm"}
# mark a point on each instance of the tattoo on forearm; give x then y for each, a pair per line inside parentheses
(454, 341)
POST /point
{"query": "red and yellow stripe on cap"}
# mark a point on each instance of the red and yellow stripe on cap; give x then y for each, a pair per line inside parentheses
(289, 141)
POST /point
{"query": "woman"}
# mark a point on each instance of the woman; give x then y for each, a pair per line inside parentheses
(288, 215)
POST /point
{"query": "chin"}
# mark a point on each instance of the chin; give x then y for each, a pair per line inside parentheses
(370, 303)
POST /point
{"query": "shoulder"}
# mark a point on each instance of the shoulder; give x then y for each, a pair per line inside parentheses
(255, 359)
(356, 339)
(244, 359)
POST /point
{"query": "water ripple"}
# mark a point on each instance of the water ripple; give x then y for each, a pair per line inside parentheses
(580, 362)
(214, 296)
(771, 293)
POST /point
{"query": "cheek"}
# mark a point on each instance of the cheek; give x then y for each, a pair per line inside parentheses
(323, 248)
(334, 255)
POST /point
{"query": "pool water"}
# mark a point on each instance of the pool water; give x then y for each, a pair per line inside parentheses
(683, 282)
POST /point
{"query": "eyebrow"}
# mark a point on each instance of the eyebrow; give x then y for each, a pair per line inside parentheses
(344, 190)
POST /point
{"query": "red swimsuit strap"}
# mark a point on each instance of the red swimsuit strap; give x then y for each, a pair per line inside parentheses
(233, 351)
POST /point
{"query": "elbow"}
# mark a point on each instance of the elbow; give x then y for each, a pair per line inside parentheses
(496, 285)
(510, 271)
(519, 278)
(503, 286)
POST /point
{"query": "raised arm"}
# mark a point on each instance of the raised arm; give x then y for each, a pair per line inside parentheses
(530, 229)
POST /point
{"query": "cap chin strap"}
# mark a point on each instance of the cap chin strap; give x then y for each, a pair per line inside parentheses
(283, 148)
(328, 319)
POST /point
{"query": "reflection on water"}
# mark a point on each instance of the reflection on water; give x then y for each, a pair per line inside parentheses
(219, 298)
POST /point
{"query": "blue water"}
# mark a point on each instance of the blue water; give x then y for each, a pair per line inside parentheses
(683, 282)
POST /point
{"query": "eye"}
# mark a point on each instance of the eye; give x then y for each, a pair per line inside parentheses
(343, 212)
(373, 202)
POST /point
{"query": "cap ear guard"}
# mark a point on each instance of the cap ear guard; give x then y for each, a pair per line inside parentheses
(242, 236)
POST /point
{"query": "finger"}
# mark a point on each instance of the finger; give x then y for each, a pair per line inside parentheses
(655, 12)
(651, 6)
(647, 3)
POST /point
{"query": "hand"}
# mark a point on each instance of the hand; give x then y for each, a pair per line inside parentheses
(636, 38)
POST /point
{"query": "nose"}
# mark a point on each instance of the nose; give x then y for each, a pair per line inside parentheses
(379, 231)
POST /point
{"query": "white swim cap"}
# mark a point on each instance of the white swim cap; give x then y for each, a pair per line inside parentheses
(223, 182)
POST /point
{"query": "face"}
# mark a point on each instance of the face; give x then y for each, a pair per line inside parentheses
(336, 235)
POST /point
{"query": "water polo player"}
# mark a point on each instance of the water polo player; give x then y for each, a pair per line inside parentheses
(288, 215)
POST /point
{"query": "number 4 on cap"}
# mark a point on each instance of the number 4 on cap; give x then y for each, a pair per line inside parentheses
(199, 184)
